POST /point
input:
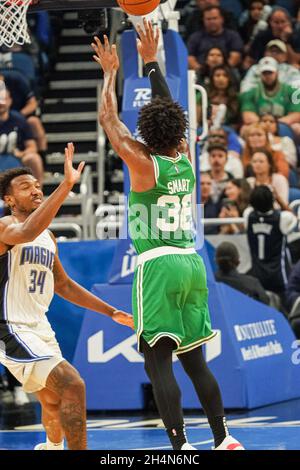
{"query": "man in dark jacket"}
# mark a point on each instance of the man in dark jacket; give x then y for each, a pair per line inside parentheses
(227, 259)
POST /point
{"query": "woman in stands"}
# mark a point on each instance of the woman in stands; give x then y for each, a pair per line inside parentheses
(222, 90)
(256, 137)
(285, 144)
(237, 194)
(264, 171)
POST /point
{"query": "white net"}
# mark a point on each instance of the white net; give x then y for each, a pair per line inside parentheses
(13, 24)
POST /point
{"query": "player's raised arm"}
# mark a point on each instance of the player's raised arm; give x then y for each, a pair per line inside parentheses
(40, 219)
(147, 45)
(134, 153)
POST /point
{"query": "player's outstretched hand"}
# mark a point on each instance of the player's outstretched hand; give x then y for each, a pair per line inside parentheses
(105, 54)
(71, 174)
(123, 318)
(147, 44)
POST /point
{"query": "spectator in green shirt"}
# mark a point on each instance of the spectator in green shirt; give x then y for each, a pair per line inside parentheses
(271, 96)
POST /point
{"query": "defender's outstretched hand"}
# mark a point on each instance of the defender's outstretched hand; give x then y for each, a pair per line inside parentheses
(147, 44)
(71, 174)
(123, 318)
(106, 55)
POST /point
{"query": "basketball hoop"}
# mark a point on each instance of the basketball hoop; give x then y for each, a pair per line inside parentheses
(13, 24)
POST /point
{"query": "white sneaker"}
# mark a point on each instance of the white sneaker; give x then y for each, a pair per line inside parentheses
(20, 397)
(187, 446)
(230, 443)
(41, 446)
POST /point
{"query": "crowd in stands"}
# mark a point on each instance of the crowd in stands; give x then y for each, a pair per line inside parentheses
(247, 56)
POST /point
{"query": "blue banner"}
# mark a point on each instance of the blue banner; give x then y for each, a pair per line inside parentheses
(251, 357)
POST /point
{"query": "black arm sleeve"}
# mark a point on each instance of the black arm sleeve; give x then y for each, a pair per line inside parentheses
(158, 83)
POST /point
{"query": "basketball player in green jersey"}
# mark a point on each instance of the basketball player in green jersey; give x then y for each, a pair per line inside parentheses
(169, 292)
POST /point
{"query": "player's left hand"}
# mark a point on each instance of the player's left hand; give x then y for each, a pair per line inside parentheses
(147, 44)
(72, 175)
(106, 55)
(123, 318)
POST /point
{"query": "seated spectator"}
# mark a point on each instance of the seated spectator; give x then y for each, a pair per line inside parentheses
(217, 160)
(213, 57)
(237, 192)
(271, 96)
(228, 260)
(279, 144)
(221, 90)
(293, 299)
(253, 21)
(287, 73)
(267, 230)
(16, 138)
(213, 34)
(264, 171)
(211, 209)
(280, 27)
(256, 137)
(24, 101)
(229, 139)
(194, 20)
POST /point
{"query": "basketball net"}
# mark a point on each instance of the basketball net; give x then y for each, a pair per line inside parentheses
(13, 24)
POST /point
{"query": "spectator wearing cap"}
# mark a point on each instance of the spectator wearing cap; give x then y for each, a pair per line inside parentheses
(213, 33)
(287, 73)
(271, 96)
(228, 260)
(220, 177)
(280, 27)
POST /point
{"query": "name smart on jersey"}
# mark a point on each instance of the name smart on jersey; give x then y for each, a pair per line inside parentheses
(37, 255)
(179, 186)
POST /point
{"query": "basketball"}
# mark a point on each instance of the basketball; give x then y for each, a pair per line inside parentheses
(138, 7)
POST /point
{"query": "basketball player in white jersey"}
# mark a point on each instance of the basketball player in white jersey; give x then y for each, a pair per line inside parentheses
(30, 273)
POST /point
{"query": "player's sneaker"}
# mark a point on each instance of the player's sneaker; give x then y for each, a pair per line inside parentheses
(41, 446)
(20, 397)
(230, 443)
(187, 446)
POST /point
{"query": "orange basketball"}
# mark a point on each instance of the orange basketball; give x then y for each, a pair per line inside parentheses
(138, 7)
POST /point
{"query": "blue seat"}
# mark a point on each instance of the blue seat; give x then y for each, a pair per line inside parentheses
(9, 161)
(25, 64)
(284, 130)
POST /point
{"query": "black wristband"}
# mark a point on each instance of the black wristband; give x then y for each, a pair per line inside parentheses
(158, 82)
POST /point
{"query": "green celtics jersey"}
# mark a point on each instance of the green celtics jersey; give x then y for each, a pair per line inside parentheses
(162, 216)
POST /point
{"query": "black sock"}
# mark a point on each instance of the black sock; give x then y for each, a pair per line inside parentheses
(219, 429)
(177, 437)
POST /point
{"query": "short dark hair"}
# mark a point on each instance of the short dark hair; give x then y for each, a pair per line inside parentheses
(262, 199)
(227, 257)
(162, 124)
(217, 145)
(213, 7)
(7, 176)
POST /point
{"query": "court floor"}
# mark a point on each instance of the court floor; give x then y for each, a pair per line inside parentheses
(275, 427)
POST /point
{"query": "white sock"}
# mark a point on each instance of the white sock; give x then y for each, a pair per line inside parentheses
(53, 446)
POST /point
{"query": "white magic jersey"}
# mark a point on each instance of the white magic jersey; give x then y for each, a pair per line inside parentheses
(29, 285)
